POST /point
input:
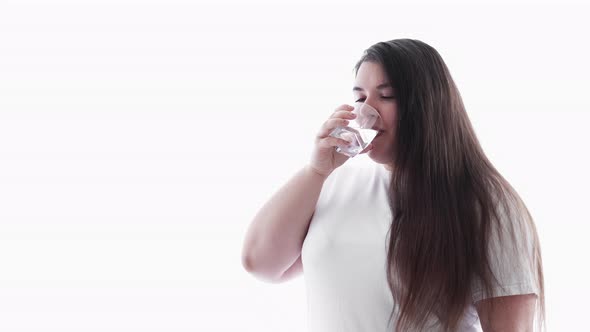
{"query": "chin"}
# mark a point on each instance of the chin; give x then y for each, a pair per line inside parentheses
(377, 157)
(380, 157)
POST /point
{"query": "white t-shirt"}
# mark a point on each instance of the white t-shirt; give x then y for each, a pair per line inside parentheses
(344, 255)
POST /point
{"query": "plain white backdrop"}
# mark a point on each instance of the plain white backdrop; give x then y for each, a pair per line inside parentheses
(139, 138)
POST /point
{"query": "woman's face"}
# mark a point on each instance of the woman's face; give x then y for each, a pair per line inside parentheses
(372, 87)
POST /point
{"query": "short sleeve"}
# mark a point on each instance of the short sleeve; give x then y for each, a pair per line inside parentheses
(512, 260)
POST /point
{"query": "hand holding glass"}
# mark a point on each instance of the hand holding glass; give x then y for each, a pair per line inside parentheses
(360, 131)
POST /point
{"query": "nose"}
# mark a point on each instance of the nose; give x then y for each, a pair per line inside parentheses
(377, 125)
(369, 118)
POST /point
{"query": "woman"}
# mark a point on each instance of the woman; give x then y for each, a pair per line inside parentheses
(461, 249)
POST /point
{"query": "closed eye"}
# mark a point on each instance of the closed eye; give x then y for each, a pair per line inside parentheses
(384, 97)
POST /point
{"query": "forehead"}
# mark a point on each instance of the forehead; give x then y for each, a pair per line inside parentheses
(370, 75)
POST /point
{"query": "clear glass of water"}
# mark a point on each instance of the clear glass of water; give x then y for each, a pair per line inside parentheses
(360, 130)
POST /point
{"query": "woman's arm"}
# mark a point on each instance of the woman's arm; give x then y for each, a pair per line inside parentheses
(275, 237)
(512, 313)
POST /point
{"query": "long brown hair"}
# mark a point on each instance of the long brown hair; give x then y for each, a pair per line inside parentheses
(446, 197)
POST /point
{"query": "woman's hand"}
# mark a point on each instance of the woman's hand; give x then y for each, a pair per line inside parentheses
(324, 159)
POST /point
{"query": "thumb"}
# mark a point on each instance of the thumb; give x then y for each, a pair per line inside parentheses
(367, 149)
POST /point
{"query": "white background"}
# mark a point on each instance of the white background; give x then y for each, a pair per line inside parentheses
(139, 138)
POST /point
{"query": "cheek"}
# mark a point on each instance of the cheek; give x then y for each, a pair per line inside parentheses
(389, 114)
(390, 122)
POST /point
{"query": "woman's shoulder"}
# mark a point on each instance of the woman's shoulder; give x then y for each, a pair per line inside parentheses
(512, 258)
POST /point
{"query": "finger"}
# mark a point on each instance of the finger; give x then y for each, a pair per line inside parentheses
(344, 107)
(330, 141)
(367, 149)
(343, 115)
(330, 125)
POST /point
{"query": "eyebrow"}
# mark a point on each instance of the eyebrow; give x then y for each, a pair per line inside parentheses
(379, 87)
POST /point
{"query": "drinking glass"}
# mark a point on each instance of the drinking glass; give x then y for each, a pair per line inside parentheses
(359, 131)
